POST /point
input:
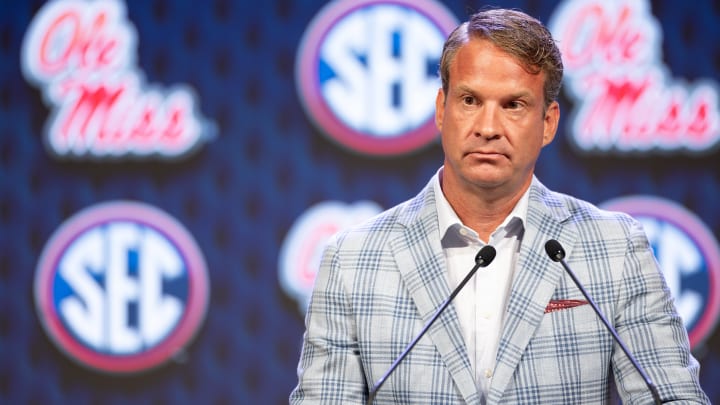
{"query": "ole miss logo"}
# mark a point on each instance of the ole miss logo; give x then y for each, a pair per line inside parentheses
(305, 242)
(367, 73)
(121, 287)
(82, 56)
(625, 100)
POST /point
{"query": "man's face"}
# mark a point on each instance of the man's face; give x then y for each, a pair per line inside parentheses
(492, 120)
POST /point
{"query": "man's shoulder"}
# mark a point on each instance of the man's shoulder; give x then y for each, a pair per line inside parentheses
(579, 210)
(396, 219)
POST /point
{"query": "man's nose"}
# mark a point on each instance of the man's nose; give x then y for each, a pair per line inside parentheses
(487, 122)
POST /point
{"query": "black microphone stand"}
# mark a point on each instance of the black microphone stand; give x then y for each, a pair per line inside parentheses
(557, 254)
(482, 259)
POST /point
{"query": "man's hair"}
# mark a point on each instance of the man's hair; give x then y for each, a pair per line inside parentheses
(516, 33)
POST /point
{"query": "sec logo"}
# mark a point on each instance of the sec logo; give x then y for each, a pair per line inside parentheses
(366, 73)
(121, 287)
(689, 257)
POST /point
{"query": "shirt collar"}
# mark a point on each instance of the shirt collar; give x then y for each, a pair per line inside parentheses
(451, 225)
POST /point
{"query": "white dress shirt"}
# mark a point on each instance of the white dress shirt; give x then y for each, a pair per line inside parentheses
(481, 303)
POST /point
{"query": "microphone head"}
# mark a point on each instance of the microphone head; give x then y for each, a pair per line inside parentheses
(485, 256)
(555, 250)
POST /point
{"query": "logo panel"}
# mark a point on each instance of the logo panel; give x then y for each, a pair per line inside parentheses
(303, 247)
(626, 99)
(367, 73)
(82, 55)
(689, 257)
(121, 287)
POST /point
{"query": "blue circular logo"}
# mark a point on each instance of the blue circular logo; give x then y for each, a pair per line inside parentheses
(121, 287)
(367, 76)
(689, 257)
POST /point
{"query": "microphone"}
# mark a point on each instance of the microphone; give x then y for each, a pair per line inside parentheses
(556, 252)
(483, 258)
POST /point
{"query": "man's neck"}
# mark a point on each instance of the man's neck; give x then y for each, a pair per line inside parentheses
(483, 210)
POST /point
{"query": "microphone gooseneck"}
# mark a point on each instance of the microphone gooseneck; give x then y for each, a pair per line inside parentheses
(483, 258)
(557, 254)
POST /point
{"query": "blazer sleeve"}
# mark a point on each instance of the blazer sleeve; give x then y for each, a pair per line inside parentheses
(650, 326)
(330, 370)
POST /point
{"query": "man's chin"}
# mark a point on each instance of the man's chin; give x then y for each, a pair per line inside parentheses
(487, 178)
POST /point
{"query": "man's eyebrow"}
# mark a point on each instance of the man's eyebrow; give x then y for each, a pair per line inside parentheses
(463, 88)
(520, 94)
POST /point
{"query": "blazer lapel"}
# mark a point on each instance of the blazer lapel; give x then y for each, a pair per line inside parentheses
(533, 285)
(421, 262)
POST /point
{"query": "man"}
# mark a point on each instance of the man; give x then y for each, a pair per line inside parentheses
(520, 331)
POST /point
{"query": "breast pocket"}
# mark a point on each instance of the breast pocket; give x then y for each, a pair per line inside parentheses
(570, 346)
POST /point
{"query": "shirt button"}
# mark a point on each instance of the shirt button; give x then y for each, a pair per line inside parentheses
(488, 373)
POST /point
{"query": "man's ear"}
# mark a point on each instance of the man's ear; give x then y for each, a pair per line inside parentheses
(550, 122)
(439, 108)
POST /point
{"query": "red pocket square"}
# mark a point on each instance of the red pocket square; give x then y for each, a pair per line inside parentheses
(557, 305)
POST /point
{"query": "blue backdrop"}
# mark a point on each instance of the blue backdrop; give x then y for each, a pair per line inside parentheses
(241, 192)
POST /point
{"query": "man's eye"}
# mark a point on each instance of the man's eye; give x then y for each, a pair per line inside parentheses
(468, 100)
(514, 105)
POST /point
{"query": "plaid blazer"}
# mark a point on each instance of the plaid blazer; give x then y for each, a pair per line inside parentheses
(380, 282)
